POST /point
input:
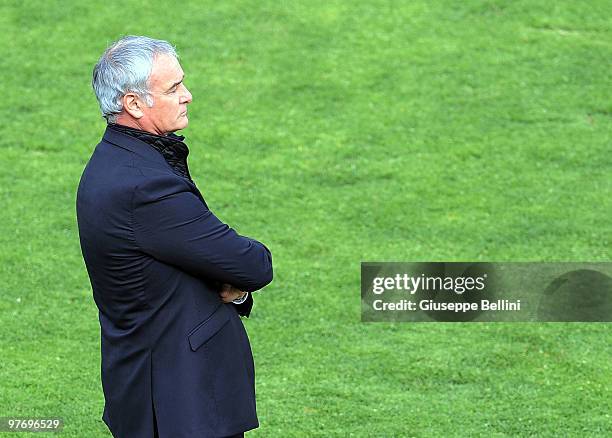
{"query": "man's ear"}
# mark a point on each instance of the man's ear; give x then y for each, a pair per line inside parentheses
(132, 105)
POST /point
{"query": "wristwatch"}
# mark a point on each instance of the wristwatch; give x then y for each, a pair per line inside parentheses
(242, 299)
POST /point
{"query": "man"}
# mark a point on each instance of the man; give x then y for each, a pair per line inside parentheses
(169, 279)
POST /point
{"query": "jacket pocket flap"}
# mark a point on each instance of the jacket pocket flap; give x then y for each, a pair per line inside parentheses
(208, 328)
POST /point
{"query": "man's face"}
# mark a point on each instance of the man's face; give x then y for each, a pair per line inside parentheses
(170, 97)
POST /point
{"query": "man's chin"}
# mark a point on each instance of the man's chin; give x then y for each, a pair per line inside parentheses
(182, 123)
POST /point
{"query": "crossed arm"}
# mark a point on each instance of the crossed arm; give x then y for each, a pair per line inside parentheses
(173, 225)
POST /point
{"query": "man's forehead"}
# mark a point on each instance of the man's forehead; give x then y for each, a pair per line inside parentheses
(166, 70)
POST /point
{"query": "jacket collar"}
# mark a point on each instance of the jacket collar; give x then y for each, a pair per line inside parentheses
(170, 146)
(143, 150)
(133, 144)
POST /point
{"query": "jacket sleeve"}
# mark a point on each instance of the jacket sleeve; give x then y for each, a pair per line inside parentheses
(174, 226)
(244, 309)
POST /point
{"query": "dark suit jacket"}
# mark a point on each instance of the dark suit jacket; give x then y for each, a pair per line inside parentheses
(172, 353)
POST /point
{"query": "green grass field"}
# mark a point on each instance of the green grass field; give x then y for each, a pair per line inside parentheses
(335, 132)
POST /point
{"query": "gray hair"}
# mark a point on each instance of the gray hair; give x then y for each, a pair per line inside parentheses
(124, 67)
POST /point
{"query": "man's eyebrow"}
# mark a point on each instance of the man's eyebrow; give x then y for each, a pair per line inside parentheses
(176, 83)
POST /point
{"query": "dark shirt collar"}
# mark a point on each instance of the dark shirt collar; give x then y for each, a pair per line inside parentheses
(171, 147)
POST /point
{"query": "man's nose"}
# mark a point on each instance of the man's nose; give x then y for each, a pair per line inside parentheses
(186, 96)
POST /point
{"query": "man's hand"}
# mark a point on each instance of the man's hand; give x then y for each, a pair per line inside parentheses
(229, 293)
